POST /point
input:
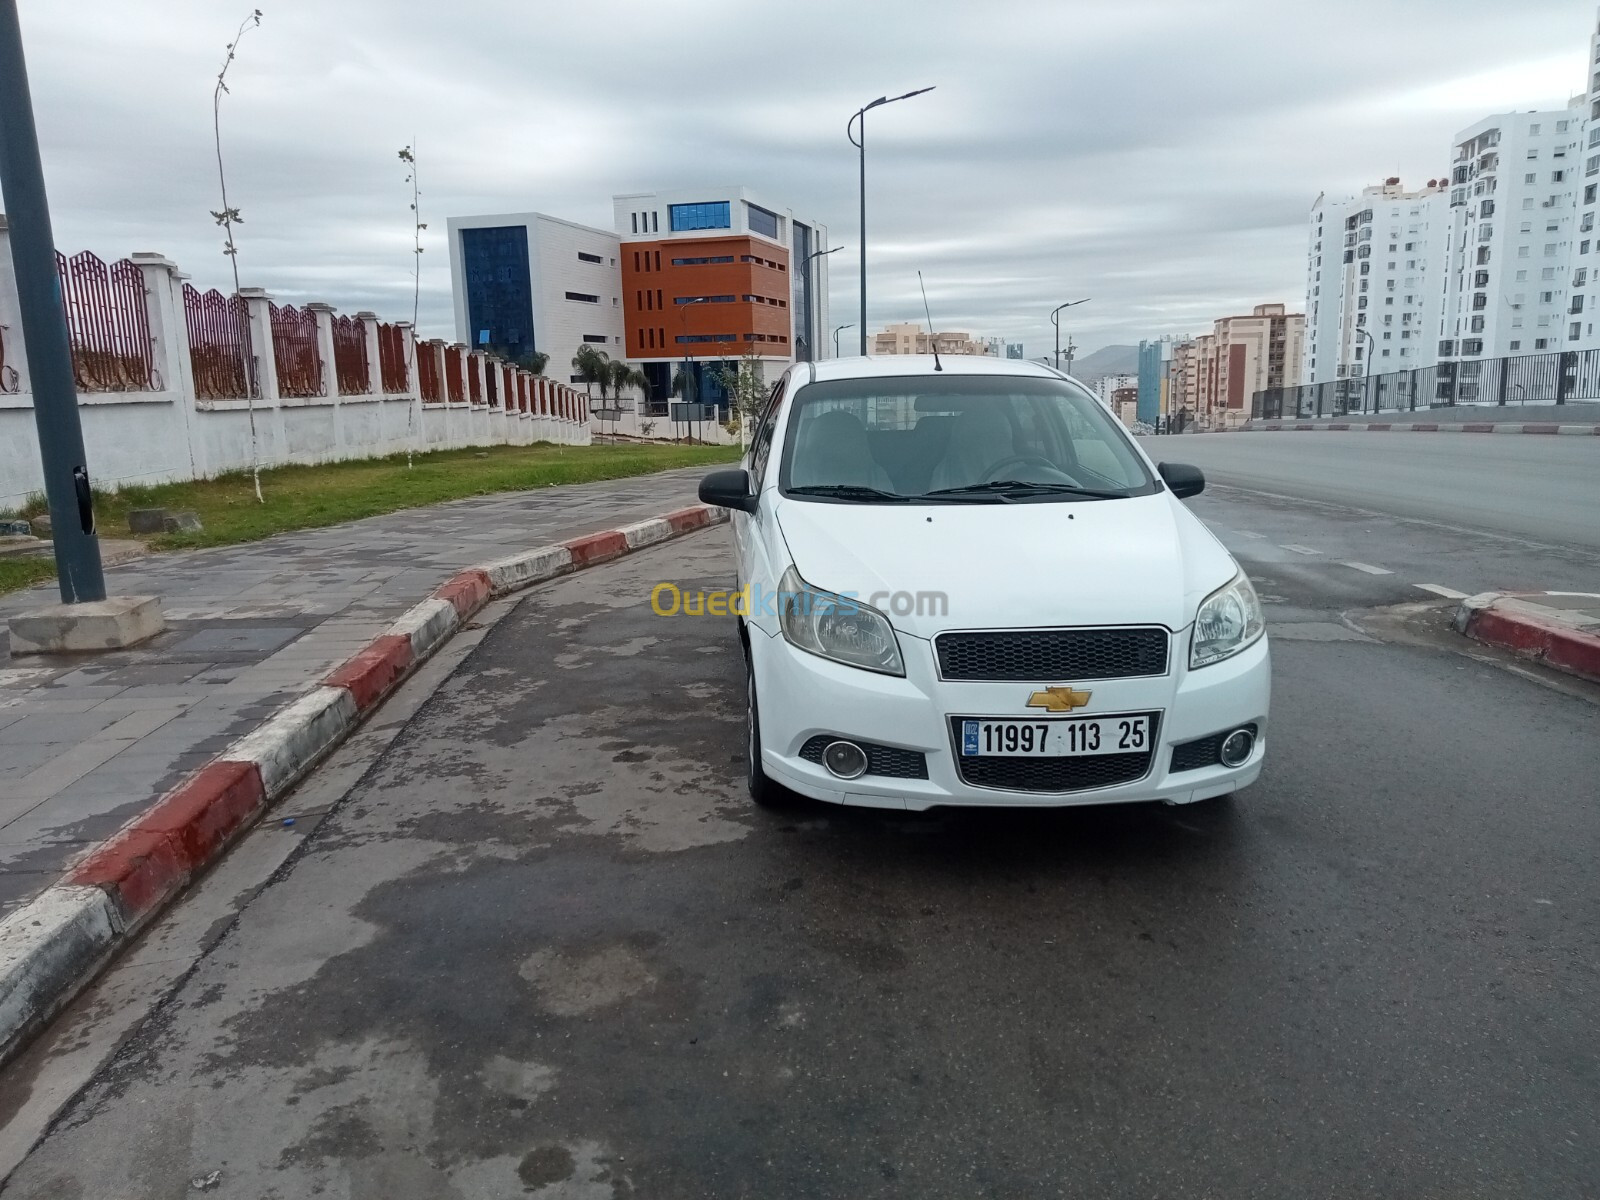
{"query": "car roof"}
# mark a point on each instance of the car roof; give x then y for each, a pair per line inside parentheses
(878, 366)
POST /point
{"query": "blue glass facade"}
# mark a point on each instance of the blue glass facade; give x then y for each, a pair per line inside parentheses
(499, 288)
(803, 279)
(1149, 382)
(714, 215)
(763, 221)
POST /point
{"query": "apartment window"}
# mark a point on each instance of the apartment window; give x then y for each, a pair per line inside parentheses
(1387, 336)
(636, 260)
(1533, 130)
(1390, 267)
(1515, 346)
(1580, 277)
(1364, 285)
(1393, 247)
(1585, 225)
(635, 217)
(1522, 276)
(698, 262)
(1527, 203)
(1447, 348)
(1483, 255)
(1532, 154)
(1541, 343)
(1388, 299)
(583, 297)
(1588, 192)
(595, 337)
(1546, 297)
(1472, 346)
(1574, 331)
(1475, 325)
(1525, 227)
(716, 214)
(1480, 300)
(1591, 165)
(1522, 251)
(1480, 279)
(1583, 246)
(1557, 176)
(1577, 305)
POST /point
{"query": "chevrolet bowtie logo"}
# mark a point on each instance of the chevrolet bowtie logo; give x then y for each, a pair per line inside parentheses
(1058, 699)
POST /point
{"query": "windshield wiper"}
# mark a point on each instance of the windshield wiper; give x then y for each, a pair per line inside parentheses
(847, 491)
(1019, 487)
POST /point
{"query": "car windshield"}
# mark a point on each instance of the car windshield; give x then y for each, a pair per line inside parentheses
(971, 439)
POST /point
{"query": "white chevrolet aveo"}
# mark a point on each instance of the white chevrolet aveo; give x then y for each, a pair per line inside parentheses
(964, 584)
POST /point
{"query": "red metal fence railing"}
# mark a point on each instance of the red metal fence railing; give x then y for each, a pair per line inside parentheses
(452, 375)
(294, 350)
(392, 359)
(350, 356)
(219, 344)
(108, 324)
(428, 373)
(474, 385)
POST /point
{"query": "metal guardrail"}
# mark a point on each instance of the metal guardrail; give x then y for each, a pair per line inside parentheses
(1550, 378)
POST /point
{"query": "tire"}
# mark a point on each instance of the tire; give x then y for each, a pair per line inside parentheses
(763, 790)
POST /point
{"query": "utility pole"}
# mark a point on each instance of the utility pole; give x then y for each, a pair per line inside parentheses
(44, 328)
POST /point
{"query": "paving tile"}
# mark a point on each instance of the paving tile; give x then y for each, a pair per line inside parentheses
(56, 773)
(57, 727)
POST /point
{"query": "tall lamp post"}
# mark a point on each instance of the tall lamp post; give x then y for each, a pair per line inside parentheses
(840, 329)
(1055, 319)
(805, 277)
(861, 145)
(1366, 371)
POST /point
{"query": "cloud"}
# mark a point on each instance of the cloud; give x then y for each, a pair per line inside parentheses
(1158, 156)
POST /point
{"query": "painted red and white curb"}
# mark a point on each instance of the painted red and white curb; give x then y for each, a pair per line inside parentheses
(1516, 621)
(1418, 427)
(54, 945)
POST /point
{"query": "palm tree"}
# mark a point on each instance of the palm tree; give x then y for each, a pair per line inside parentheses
(592, 366)
(621, 376)
(535, 361)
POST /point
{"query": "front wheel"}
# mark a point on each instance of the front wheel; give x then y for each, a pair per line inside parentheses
(762, 790)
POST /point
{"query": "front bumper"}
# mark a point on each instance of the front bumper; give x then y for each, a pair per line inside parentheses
(803, 696)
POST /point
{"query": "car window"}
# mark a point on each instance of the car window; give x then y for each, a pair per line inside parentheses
(761, 444)
(920, 437)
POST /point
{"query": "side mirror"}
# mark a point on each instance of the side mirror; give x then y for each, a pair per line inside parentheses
(1184, 480)
(729, 489)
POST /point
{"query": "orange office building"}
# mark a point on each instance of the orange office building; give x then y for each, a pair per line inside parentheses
(714, 275)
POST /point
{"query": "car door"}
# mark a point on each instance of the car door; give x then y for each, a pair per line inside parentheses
(753, 532)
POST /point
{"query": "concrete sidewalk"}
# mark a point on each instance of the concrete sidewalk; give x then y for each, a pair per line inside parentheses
(88, 743)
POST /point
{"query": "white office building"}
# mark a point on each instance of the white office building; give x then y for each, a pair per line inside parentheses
(1583, 285)
(526, 281)
(1374, 265)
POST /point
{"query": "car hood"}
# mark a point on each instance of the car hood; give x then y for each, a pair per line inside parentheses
(1143, 560)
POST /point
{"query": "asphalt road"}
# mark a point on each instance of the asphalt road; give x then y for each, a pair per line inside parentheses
(545, 947)
(1524, 485)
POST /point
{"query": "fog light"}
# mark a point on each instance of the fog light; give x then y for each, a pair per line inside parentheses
(845, 759)
(1236, 747)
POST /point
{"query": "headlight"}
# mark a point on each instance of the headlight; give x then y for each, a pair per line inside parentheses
(1228, 622)
(836, 627)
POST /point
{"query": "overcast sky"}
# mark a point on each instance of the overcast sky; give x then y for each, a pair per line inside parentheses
(1159, 156)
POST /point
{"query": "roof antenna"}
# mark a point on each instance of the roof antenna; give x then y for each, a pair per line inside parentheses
(932, 342)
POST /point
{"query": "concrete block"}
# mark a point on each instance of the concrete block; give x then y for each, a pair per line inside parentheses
(15, 529)
(146, 520)
(296, 737)
(49, 948)
(114, 623)
(181, 522)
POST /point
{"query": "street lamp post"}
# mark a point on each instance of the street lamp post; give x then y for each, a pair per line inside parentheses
(836, 334)
(805, 277)
(861, 145)
(1055, 319)
(1366, 383)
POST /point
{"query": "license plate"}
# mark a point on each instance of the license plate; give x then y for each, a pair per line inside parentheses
(1054, 738)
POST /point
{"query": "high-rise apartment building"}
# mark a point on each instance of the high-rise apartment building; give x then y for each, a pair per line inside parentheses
(1512, 236)
(1375, 264)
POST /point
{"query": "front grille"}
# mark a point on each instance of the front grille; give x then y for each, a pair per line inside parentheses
(1202, 752)
(1044, 655)
(1076, 774)
(889, 761)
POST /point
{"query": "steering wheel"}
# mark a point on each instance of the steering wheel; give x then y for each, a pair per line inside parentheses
(1036, 460)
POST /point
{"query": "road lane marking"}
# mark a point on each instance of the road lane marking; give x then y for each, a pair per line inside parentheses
(1247, 533)
(1369, 568)
(1300, 549)
(1437, 590)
